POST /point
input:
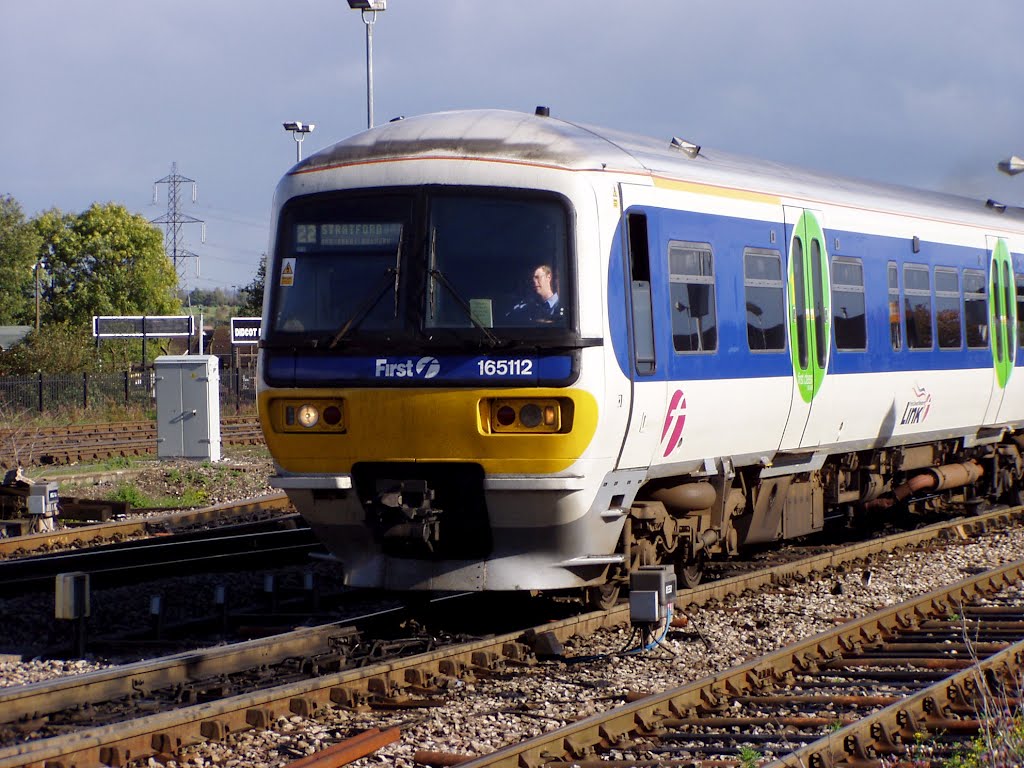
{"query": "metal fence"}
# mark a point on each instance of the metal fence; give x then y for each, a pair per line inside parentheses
(46, 393)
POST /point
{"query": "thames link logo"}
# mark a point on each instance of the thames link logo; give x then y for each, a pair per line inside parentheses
(916, 410)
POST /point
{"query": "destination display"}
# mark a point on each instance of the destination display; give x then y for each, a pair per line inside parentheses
(330, 236)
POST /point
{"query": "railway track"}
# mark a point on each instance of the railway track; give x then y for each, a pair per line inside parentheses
(96, 442)
(805, 704)
(239, 547)
(419, 679)
(271, 504)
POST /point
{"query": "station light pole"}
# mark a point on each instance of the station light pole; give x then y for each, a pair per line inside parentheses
(299, 130)
(369, 10)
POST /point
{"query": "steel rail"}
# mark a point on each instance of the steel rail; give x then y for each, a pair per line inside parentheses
(892, 732)
(225, 548)
(167, 731)
(649, 714)
(68, 444)
(144, 525)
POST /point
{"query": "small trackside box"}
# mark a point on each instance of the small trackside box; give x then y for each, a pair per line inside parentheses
(652, 592)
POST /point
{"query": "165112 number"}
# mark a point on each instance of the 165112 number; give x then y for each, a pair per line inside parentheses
(505, 367)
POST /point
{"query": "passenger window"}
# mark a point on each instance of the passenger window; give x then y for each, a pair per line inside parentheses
(848, 303)
(895, 335)
(692, 286)
(766, 313)
(917, 306)
(947, 308)
(975, 309)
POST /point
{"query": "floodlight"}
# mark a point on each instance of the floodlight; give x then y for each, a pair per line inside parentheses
(298, 130)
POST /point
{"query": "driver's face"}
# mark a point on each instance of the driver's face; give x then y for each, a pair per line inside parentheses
(542, 283)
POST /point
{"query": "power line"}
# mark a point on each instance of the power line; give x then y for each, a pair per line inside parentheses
(174, 244)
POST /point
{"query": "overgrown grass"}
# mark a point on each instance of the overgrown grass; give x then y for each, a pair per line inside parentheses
(132, 495)
(999, 745)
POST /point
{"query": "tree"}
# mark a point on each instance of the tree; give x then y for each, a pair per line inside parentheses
(56, 348)
(19, 248)
(252, 294)
(105, 261)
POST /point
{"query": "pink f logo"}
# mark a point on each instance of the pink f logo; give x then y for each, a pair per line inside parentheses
(674, 420)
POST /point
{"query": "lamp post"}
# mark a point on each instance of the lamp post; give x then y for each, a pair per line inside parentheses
(369, 10)
(1012, 166)
(299, 130)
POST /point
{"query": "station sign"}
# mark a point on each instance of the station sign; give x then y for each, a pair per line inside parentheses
(141, 326)
(246, 330)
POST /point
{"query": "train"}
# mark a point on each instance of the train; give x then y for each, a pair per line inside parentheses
(505, 351)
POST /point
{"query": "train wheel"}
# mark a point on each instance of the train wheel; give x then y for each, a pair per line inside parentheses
(601, 598)
(690, 573)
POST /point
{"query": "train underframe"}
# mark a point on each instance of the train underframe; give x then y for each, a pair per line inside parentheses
(683, 521)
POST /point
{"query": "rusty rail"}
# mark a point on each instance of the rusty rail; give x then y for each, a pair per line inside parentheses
(94, 442)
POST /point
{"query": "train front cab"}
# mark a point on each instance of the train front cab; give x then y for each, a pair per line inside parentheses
(469, 447)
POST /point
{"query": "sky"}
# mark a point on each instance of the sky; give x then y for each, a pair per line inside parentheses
(100, 99)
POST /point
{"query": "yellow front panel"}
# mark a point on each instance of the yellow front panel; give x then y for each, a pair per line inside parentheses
(427, 425)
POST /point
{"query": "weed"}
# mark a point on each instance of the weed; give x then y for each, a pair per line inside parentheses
(192, 497)
(116, 462)
(131, 495)
(749, 757)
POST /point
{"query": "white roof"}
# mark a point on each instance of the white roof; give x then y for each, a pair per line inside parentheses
(528, 138)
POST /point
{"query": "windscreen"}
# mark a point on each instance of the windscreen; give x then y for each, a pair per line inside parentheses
(498, 262)
(339, 262)
(477, 263)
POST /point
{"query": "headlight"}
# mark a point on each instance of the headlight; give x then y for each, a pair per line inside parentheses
(311, 415)
(308, 416)
(529, 415)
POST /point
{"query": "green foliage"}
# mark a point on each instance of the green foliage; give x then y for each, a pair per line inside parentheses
(252, 294)
(131, 495)
(749, 757)
(1001, 743)
(19, 248)
(104, 261)
(116, 462)
(56, 348)
(218, 297)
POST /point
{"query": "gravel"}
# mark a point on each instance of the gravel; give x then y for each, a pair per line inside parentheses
(482, 715)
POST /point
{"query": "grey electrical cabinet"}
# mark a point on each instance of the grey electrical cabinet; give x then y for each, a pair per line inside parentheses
(188, 407)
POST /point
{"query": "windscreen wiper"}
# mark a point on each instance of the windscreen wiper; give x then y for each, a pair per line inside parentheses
(493, 340)
(367, 306)
(390, 275)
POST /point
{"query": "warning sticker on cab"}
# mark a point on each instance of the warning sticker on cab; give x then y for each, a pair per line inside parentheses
(288, 272)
